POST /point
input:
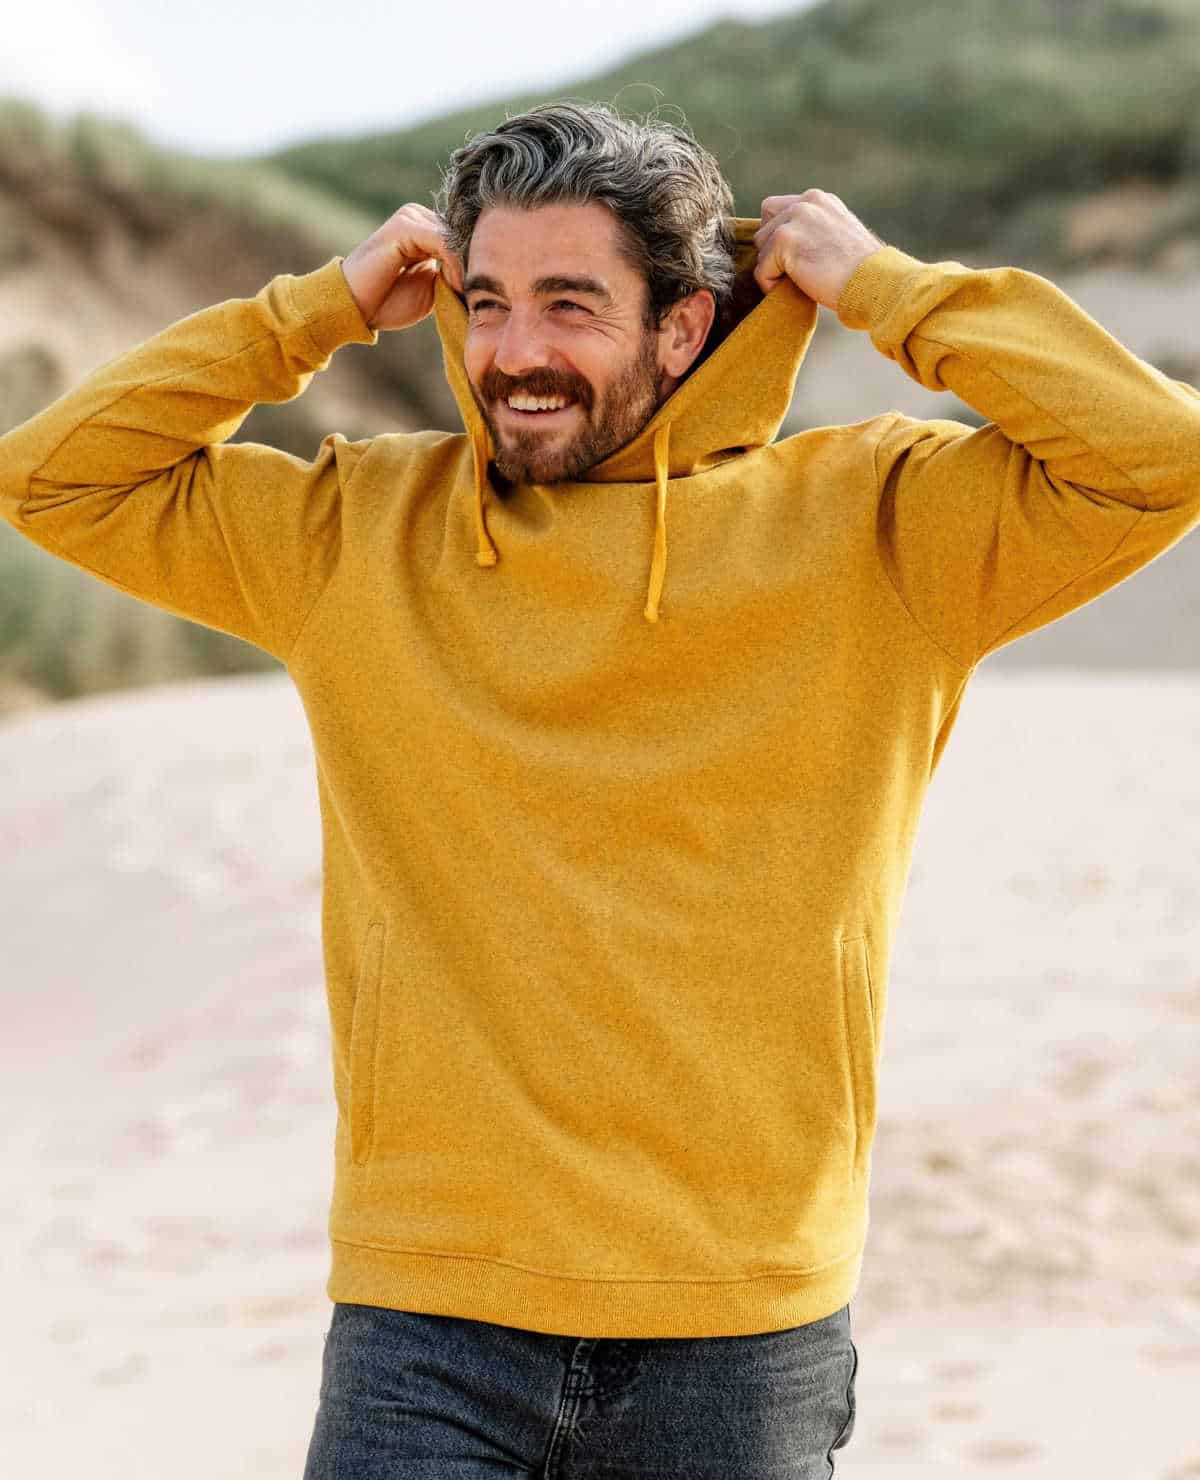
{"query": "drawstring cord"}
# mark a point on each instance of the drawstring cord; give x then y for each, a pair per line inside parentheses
(486, 553)
(658, 566)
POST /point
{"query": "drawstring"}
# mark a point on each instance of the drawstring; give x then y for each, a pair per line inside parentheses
(658, 566)
(486, 552)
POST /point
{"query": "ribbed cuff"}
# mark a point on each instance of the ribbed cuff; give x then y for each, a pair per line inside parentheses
(874, 286)
(331, 315)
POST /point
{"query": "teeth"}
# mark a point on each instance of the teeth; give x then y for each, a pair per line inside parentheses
(537, 403)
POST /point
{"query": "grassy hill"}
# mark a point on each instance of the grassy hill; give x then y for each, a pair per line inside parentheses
(104, 240)
(945, 122)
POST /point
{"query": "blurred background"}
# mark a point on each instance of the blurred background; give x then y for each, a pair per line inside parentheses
(152, 161)
(1031, 1298)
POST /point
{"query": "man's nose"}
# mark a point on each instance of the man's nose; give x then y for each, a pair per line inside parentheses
(522, 346)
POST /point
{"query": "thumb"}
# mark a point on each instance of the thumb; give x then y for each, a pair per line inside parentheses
(451, 269)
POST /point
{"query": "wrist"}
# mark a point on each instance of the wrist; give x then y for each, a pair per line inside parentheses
(331, 313)
(359, 286)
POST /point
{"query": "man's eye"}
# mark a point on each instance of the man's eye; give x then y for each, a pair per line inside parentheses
(482, 303)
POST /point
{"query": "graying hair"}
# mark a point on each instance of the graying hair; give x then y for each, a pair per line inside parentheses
(667, 192)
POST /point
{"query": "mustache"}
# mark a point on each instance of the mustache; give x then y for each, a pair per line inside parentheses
(497, 387)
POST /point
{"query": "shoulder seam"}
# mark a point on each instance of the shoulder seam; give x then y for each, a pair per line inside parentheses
(325, 585)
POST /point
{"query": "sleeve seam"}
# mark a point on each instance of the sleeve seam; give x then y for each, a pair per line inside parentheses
(895, 417)
(141, 386)
(988, 369)
(991, 643)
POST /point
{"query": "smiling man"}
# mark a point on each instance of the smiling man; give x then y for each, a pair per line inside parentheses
(615, 844)
(566, 368)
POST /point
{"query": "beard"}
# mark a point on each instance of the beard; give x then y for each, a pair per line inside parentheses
(531, 456)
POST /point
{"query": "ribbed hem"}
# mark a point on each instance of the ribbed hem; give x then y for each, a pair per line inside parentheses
(331, 316)
(509, 1295)
(874, 286)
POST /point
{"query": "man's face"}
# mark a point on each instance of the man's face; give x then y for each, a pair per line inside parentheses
(554, 310)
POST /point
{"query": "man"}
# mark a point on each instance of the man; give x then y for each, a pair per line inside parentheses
(616, 831)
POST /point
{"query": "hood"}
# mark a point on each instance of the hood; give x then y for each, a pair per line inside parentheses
(731, 402)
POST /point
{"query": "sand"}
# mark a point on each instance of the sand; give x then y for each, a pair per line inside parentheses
(1031, 1298)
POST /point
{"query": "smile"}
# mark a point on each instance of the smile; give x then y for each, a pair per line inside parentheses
(532, 409)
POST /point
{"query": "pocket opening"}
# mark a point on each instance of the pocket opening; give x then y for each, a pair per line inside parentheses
(859, 1016)
(364, 1044)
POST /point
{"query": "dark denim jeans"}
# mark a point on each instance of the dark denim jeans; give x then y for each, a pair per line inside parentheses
(406, 1396)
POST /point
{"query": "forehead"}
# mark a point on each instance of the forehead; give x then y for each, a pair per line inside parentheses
(517, 246)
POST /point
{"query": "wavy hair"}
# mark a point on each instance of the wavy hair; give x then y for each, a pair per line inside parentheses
(667, 192)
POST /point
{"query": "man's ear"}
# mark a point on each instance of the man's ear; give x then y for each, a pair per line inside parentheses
(684, 330)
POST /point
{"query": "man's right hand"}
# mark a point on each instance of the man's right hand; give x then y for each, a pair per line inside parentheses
(392, 273)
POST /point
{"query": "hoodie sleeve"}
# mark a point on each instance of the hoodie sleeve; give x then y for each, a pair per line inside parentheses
(1088, 468)
(127, 478)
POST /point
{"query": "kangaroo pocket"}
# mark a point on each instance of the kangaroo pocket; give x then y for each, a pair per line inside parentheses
(668, 1127)
(364, 1044)
(861, 1047)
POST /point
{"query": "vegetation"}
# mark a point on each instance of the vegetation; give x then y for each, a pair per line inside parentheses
(943, 121)
(60, 170)
(65, 635)
(950, 125)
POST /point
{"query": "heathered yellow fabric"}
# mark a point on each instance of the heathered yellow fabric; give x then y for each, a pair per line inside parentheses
(609, 900)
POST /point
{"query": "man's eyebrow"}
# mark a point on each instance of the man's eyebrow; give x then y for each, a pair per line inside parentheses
(589, 285)
(480, 282)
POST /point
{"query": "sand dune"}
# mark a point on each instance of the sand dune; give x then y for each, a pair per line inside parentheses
(1031, 1300)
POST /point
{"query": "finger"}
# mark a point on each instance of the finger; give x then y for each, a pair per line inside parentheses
(773, 204)
(436, 223)
(416, 267)
(762, 237)
(434, 242)
(767, 272)
(452, 268)
(411, 297)
(415, 229)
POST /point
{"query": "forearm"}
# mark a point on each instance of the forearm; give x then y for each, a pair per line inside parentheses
(1016, 349)
(128, 477)
(188, 387)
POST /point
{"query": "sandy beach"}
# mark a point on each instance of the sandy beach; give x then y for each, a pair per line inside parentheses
(1030, 1303)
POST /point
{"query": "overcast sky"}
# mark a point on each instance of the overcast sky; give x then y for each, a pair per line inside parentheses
(231, 78)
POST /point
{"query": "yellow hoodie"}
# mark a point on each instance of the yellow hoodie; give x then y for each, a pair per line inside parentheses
(609, 901)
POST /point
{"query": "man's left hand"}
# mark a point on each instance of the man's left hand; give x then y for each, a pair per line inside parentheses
(815, 240)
